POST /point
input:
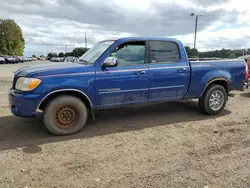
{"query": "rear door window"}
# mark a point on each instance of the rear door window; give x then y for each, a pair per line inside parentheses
(164, 52)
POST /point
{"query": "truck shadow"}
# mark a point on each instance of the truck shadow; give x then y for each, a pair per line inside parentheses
(247, 95)
(28, 134)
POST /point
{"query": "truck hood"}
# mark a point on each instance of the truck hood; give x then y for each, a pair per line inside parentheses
(36, 69)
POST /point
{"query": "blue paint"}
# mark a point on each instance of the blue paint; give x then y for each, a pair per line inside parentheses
(122, 85)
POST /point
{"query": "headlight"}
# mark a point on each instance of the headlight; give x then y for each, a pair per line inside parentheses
(27, 84)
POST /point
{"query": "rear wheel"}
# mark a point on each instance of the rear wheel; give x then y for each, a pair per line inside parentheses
(214, 99)
(65, 115)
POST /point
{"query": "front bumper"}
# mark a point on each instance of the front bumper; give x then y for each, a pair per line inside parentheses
(23, 105)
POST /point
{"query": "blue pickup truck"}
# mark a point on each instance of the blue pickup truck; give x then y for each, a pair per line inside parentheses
(116, 73)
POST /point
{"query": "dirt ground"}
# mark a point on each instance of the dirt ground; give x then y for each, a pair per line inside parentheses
(167, 145)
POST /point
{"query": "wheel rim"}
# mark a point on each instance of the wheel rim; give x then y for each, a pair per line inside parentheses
(216, 100)
(65, 116)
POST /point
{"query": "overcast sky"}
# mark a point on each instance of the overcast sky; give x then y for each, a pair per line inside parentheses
(48, 25)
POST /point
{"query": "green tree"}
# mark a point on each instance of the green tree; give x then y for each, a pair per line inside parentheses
(50, 55)
(11, 38)
(188, 50)
(194, 53)
(33, 55)
(79, 51)
(61, 54)
(248, 51)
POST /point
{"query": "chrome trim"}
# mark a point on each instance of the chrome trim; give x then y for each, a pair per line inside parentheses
(216, 79)
(166, 87)
(200, 66)
(123, 91)
(217, 61)
(145, 89)
(127, 70)
(169, 67)
(143, 69)
(56, 91)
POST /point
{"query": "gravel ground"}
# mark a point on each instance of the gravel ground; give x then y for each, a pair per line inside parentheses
(167, 145)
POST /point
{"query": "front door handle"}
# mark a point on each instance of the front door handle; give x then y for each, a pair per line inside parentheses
(140, 72)
(181, 69)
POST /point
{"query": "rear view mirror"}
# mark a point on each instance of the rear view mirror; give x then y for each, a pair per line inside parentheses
(110, 62)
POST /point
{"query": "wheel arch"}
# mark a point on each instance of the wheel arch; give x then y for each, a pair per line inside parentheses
(219, 81)
(72, 92)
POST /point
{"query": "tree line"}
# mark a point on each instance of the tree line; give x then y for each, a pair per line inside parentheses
(77, 52)
(11, 38)
(191, 52)
(223, 53)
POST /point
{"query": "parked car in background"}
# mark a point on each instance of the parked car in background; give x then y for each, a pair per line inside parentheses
(53, 59)
(16, 59)
(2, 60)
(70, 59)
(21, 59)
(57, 59)
(10, 60)
(116, 73)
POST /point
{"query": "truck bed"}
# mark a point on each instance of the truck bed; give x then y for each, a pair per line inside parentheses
(203, 72)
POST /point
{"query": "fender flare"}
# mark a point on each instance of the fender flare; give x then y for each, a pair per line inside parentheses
(213, 80)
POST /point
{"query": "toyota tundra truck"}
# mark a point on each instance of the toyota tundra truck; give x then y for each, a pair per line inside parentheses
(117, 73)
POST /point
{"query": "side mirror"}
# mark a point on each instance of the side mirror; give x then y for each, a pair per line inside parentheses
(110, 62)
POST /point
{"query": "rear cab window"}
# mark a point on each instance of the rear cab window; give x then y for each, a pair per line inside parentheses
(164, 52)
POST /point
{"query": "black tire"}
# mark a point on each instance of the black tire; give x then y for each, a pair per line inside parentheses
(54, 114)
(204, 99)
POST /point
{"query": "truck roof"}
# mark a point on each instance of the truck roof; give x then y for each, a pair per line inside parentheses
(145, 38)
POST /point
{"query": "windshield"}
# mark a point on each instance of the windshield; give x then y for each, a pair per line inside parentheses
(95, 52)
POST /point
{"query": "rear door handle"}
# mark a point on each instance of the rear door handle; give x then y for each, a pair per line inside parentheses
(140, 72)
(181, 69)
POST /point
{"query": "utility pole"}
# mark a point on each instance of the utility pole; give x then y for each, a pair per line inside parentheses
(195, 30)
(66, 48)
(85, 40)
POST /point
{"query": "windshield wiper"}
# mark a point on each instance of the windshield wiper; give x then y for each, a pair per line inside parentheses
(84, 61)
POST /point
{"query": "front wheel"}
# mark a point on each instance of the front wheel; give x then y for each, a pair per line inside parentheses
(213, 100)
(65, 115)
